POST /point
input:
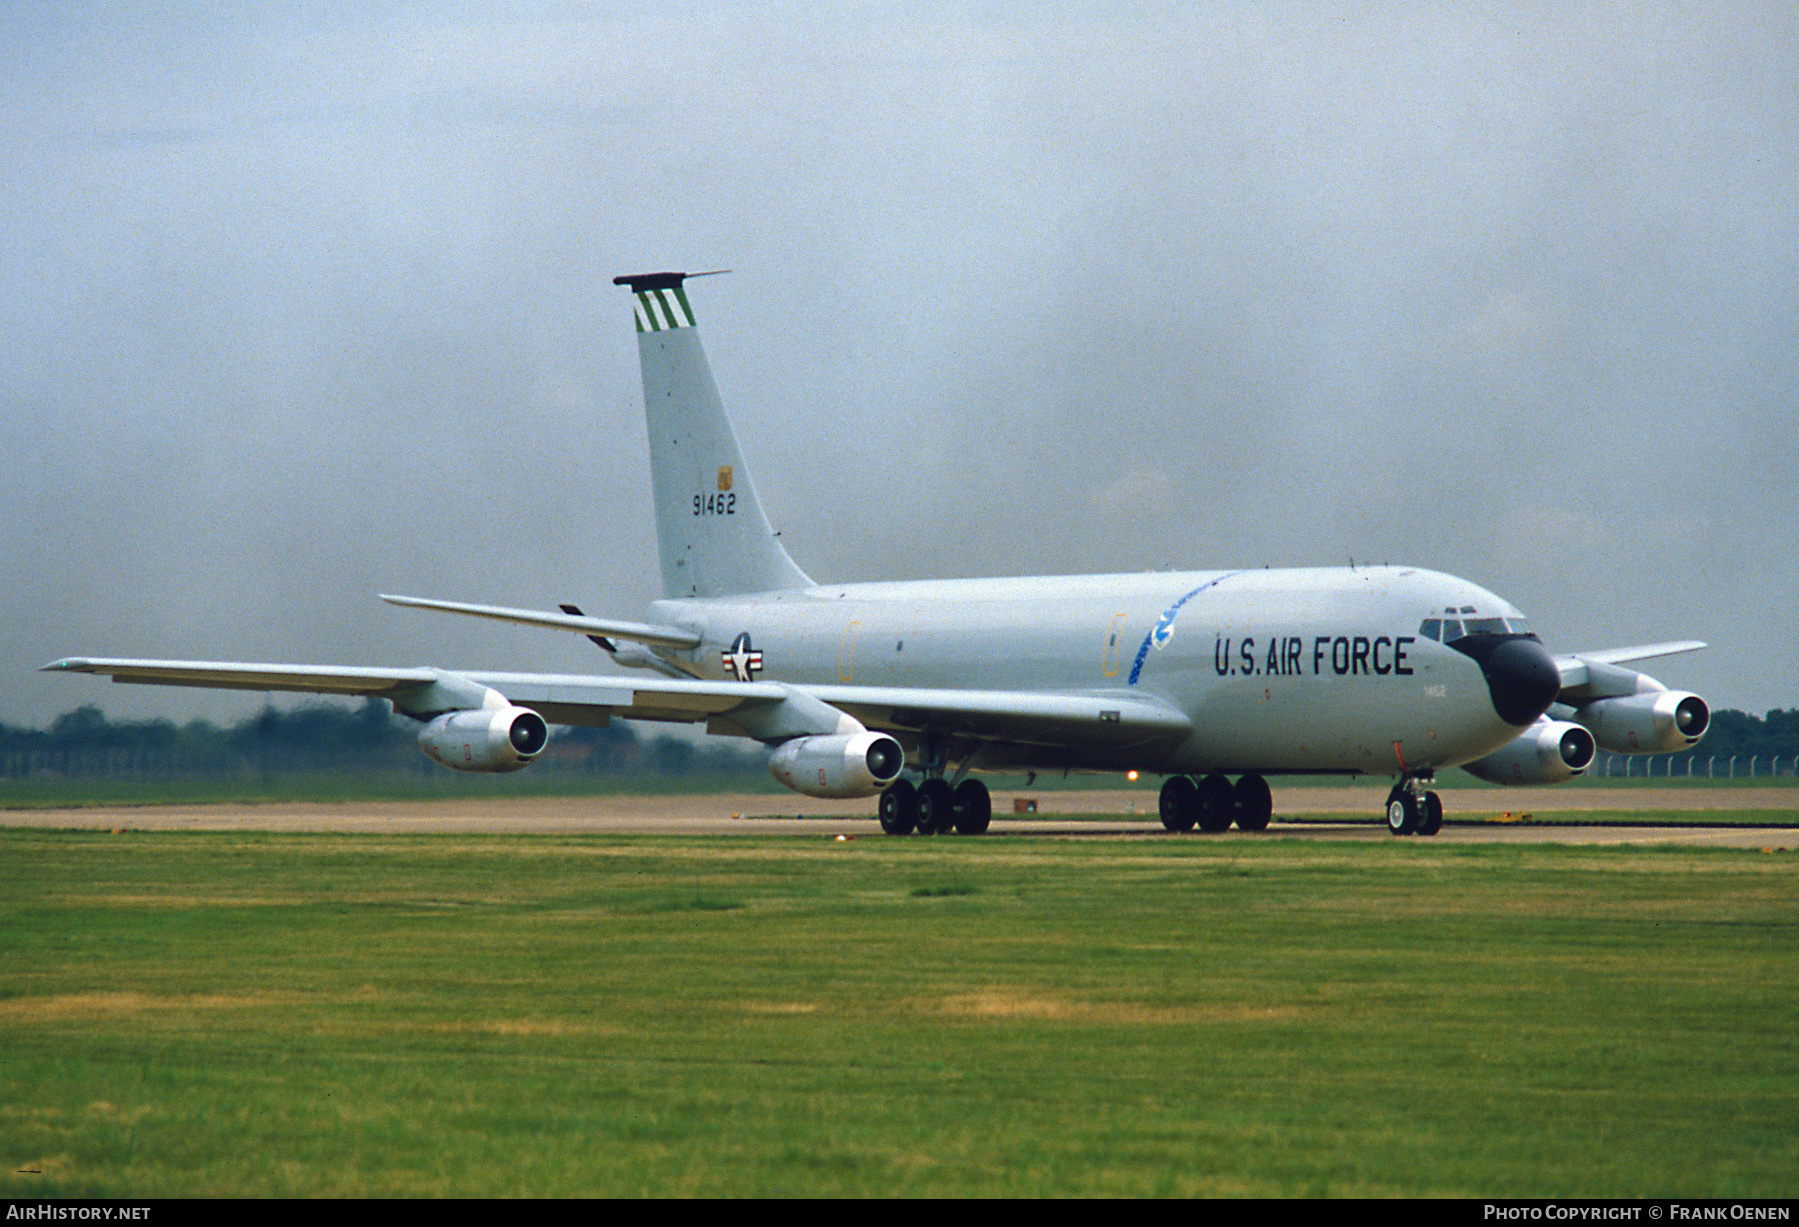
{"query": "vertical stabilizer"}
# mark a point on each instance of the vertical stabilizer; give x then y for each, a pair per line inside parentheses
(715, 539)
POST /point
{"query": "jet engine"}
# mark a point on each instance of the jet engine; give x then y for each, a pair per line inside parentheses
(853, 765)
(1548, 752)
(486, 739)
(1653, 722)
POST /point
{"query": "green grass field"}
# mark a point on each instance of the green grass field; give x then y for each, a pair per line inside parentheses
(334, 787)
(266, 1014)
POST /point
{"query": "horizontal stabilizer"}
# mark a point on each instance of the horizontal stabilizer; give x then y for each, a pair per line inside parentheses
(636, 632)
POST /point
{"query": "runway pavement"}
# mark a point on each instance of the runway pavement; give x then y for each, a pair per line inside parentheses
(1473, 815)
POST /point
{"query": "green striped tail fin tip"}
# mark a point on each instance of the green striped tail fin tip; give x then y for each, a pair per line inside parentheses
(661, 301)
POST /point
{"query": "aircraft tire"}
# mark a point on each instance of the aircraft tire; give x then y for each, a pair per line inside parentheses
(1431, 820)
(936, 807)
(1403, 812)
(974, 808)
(1179, 803)
(1217, 803)
(1254, 803)
(899, 808)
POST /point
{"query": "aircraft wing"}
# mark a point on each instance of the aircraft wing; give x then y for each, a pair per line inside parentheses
(1098, 719)
(1619, 656)
(562, 698)
(230, 675)
(1587, 675)
(1091, 719)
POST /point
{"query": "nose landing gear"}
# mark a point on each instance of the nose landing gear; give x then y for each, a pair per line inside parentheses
(1412, 809)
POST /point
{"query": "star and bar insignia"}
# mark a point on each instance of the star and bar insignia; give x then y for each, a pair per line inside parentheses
(740, 660)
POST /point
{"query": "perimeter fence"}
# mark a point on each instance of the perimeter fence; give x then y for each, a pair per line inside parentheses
(1693, 766)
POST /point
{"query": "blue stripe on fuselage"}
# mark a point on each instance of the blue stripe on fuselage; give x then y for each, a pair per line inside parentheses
(1166, 624)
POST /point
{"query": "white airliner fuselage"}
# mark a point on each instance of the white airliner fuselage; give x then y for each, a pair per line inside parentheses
(1361, 670)
(1293, 670)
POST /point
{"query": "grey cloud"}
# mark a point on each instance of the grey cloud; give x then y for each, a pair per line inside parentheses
(305, 304)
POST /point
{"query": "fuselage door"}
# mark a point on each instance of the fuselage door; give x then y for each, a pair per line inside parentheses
(1108, 654)
(846, 653)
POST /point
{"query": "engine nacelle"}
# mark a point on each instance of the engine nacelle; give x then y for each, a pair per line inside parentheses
(1547, 752)
(1654, 722)
(853, 765)
(485, 739)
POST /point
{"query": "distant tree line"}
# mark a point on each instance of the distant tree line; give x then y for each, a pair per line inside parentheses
(1735, 732)
(1764, 744)
(325, 737)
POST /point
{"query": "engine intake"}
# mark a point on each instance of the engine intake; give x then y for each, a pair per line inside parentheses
(1548, 752)
(488, 739)
(853, 765)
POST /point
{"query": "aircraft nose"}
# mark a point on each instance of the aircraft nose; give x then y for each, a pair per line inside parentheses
(1523, 679)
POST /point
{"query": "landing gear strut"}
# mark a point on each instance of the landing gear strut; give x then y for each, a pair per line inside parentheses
(1412, 809)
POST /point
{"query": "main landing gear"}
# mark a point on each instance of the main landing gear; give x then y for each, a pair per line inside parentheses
(1412, 809)
(933, 807)
(1214, 803)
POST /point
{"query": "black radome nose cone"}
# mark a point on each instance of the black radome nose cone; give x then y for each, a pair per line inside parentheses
(1523, 679)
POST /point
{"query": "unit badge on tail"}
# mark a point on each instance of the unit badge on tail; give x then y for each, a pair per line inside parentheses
(741, 660)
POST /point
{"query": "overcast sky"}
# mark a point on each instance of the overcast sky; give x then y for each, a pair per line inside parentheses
(305, 302)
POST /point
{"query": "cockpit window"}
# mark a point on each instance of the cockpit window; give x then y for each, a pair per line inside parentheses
(1448, 630)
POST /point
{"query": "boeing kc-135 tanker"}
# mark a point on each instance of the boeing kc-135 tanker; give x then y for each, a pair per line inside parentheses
(905, 690)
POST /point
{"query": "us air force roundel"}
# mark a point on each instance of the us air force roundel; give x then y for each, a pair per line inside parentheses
(740, 660)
